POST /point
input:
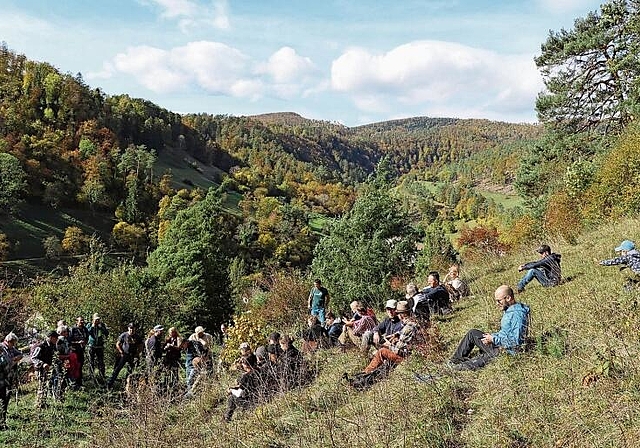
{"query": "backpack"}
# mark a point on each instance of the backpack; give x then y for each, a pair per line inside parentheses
(363, 381)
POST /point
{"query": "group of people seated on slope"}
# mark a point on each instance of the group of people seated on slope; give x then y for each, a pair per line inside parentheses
(273, 368)
(279, 365)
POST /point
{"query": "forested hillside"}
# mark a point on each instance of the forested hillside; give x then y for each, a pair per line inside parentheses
(116, 206)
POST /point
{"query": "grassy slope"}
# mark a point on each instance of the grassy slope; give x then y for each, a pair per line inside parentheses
(537, 399)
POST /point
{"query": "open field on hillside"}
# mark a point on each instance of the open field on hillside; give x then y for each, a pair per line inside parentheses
(511, 200)
(578, 384)
(35, 222)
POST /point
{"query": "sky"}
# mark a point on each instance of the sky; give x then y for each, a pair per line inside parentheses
(347, 61)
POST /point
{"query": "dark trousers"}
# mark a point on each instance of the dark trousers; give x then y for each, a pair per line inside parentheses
(96, 359)
(233, 403)
(5, 395)
(121, 361)
(473, 339)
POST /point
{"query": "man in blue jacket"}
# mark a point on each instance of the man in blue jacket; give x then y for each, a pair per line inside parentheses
(512, 334)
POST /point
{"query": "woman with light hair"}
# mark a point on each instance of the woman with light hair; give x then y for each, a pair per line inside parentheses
(456, 287)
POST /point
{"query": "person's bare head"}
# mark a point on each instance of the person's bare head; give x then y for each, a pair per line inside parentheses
(504, 296)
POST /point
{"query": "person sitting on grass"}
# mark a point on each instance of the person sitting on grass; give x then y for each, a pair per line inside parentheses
(333, 328)
(243, 394)
(512, 334)
(398, 346)
(456, 287)
(434, 299)
(629, 258)
(315, 336)
(355, 328)
(389, 326)
(546, 270)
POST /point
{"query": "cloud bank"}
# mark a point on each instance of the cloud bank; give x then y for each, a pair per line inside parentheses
(435, 75)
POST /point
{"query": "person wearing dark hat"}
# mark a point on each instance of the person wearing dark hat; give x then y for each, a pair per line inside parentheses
(98, 333)
(397, 346)
(128, 348)
(629, 258)
(546, 270)
(9, 358)
(42, 358)
(512, 334)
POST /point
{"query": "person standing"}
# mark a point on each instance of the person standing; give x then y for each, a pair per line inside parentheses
(198, 356)
(318, 301)
(78, 339)
(153, 350)
(9, 358)
(43, 358)
(513, 331)
(127, 348)
(172, 355)
(546, 270)
(98, 333)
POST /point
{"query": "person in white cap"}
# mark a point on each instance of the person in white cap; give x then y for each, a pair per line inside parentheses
(390, 325)
(98, 333)
(198, 356)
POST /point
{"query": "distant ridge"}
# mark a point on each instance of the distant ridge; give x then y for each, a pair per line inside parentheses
(289, 118)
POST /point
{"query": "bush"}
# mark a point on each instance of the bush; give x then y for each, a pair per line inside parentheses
(248, 327)
(5, 247)
(480, 242)
(616, 189)
(52, 247)
(562, 218)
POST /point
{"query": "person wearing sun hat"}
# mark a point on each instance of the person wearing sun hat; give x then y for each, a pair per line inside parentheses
(629, 258)
(400, 343)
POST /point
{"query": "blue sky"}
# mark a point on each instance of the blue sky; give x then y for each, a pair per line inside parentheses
(353, 62)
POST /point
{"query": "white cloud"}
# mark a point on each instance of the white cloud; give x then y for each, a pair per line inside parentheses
(286, 66)
(176, 8)
(211, 66)
(428, 75)
(288, 73)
